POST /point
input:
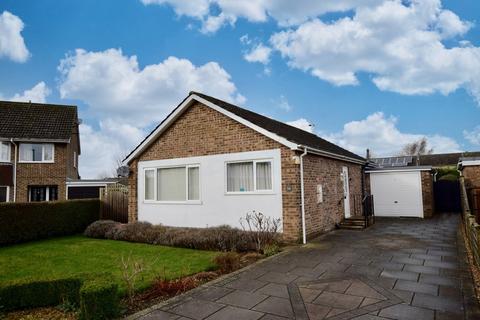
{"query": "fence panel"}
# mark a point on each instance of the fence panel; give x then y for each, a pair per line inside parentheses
(114, 203)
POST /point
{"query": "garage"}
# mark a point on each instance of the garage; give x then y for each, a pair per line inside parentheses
(398, 192)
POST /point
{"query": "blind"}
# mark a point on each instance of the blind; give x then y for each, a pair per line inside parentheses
(264, 175)
(171, 184)
(150, 185)
(240, 177)
(193, 183)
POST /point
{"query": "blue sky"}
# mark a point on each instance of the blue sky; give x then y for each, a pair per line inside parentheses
(357, 73)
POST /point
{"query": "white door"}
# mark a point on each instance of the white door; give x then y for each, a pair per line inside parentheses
(346, 192)
(397, 194)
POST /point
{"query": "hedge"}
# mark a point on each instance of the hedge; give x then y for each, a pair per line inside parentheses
(20, 222)
(97, 296)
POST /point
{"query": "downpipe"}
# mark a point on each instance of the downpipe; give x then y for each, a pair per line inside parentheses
(302, 191)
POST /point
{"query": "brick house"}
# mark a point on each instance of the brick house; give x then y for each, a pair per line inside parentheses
(210, 162)
(39, 149)
(470, 169)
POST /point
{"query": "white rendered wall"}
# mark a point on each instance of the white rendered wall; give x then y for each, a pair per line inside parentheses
(215, 207)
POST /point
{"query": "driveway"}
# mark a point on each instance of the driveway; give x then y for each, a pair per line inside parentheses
(397, 269)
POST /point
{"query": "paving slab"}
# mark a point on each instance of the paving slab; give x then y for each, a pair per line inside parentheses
(396, 269)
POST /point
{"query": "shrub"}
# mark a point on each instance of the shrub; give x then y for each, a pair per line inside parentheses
(271, 249)
(20, 222)
(100, 228)
(99, 299)
(263, 230)
(31, 293)
(227, 261)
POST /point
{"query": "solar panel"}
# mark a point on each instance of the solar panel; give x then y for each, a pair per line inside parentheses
(401, 161)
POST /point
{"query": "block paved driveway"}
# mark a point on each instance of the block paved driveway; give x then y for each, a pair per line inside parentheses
(397, 269)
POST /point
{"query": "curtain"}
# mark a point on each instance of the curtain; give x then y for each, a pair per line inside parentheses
(264, 176)
(171, 184)
(240, 177)
(193, 183)
(4, 151)
(26, 152)
(149, 184)
(48, 152)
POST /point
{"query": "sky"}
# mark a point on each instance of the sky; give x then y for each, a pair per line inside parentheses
(372, 74)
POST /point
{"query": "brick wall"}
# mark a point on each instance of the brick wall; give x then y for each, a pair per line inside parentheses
(472, 176)
(427, 194)
(43, 174)
(322, 217)
(202, 131)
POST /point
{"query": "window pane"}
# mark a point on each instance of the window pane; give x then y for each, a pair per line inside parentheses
(26, 152)
(36, 152)
(48, 149)
(171, 184)
(150, 185)
(53, 193)
(38, 194)
(4, 151)
(264, 176)
(193, 183)
(240, 177)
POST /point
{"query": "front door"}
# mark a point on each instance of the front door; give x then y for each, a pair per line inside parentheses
(346, 192)
(3, 194)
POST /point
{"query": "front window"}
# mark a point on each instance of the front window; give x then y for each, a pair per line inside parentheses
(4, 152)
(42, 193)
(249, 176)
(3, 194)
(36, 152)
(172, 184)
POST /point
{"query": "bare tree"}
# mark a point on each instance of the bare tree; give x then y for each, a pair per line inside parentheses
(416, 148)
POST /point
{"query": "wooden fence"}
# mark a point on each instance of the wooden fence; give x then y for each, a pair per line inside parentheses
(472, 228)
(114, 203)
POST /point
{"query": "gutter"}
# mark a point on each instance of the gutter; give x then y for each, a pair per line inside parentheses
(302, 190)
(14, 172)
(331, 155)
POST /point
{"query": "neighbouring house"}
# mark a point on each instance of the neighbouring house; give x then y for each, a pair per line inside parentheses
(470, 169)
(210, 162)
(39, 149)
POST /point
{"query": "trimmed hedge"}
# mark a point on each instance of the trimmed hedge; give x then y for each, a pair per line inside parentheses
(20, 222)
(97, 297)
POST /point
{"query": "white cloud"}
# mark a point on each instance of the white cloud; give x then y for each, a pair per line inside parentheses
(38, 93)
(103, 148)
(399, 44)
(285, 105)
(12, 44)
(114, 86)
(473, 136)
(302, 123)
(127, 99)
(381, 135)
(258, 53)
(285, 12)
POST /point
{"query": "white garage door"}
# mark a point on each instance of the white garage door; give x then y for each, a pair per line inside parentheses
(397, 194)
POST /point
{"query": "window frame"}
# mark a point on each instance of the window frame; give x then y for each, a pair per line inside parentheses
(155, 185)
(43, 153)
(255, 190)
(9, 153)
(7, 198)
(74, 159)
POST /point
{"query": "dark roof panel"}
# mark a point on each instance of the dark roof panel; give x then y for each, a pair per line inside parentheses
(284, 130)
(444, 159)
(24, 120)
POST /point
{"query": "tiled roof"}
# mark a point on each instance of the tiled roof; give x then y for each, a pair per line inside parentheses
(282, 129)
(444, 159)
(36, 121)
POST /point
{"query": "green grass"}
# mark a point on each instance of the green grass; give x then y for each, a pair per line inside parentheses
(75, 255)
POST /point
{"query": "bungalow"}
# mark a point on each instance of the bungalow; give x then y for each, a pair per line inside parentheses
(210, 162)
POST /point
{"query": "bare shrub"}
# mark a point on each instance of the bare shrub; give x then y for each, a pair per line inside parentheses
(262, 229)
(131, 270)
(100, 228)
(227, 261)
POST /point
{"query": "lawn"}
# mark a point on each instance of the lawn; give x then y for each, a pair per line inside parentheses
(81, 255)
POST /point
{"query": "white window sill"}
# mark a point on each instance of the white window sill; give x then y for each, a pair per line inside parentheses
(267, 192)
(191, 202)
(36, 161)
